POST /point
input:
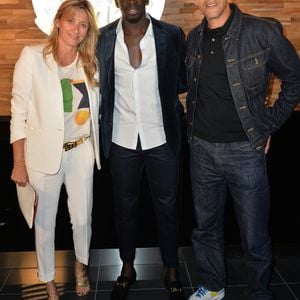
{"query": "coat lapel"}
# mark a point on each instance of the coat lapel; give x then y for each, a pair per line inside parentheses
(110, 40)
(160, 37)
(57, 96)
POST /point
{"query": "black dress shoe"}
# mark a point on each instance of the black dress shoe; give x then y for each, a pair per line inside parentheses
(175, 290)
(121, 287)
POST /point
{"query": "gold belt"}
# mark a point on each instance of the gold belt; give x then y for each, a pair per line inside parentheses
(70, 145)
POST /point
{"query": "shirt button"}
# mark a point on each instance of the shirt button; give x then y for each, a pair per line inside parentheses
(194, 79)
(211, 52)
(213, 39)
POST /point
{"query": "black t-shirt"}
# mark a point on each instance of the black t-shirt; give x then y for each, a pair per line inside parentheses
(216, 119)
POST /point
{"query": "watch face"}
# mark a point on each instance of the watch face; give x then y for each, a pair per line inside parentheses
(106, 11)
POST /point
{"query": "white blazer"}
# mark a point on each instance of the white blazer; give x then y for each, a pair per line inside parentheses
(37, 112)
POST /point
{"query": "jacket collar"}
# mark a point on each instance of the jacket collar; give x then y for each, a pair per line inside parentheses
(236, 24)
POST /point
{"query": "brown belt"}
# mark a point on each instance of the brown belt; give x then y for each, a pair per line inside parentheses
(70, 145)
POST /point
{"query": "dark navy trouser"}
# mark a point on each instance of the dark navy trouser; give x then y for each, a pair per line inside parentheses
(161, 168)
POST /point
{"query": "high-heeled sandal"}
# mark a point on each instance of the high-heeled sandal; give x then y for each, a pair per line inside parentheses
(82, 286)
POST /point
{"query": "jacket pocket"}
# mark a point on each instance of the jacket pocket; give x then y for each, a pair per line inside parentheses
(253, 69)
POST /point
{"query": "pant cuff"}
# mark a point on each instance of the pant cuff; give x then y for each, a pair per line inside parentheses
(46, 277)
(82, 260)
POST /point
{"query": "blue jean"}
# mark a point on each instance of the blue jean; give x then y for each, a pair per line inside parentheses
(217, 168)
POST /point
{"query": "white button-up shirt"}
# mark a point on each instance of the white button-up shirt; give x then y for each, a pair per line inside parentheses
(137, 109)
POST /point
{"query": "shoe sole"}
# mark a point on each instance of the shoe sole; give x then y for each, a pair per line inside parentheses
(219, 297)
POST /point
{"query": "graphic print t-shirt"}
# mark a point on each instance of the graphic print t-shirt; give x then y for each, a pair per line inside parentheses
(76, 102)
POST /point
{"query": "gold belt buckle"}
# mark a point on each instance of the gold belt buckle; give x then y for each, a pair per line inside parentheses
(69, 145)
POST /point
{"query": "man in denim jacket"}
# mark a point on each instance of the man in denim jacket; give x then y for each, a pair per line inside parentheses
(230, 58)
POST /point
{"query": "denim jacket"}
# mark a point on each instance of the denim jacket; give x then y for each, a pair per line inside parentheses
(254, 48)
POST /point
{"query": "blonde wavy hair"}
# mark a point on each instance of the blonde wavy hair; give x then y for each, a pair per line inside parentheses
(87, 48)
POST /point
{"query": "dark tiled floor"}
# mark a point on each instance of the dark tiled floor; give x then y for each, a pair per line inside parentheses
(18, 274)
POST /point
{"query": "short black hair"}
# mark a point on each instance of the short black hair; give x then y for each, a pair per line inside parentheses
(116, 2)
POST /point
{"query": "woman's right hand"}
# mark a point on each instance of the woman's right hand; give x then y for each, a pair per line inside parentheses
(19, 173)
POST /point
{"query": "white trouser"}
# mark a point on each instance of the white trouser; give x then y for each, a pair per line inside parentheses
(76, 172)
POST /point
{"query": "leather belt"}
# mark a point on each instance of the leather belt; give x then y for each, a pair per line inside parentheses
(70, 145)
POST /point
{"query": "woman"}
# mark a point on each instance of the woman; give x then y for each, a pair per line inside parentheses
(54, 133)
